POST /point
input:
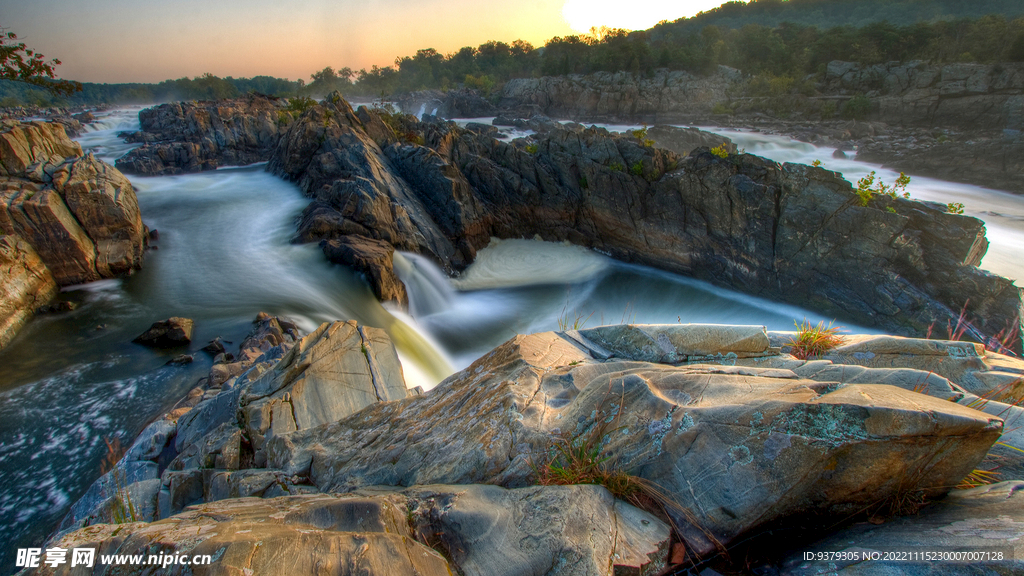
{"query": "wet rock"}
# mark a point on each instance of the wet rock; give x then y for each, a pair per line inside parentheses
(374, 259)
(180, 360)
(216, 346)
(25, 285)
(57, 307)
(168, 333)
(839, 154)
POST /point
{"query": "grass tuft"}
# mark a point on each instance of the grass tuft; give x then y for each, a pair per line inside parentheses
(122, 509)
(813, 341)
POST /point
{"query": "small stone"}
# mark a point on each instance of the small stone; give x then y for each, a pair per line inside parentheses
(215, 347)
(167, 333)
(180, 360)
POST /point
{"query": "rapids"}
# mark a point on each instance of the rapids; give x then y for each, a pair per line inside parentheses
(72, 380)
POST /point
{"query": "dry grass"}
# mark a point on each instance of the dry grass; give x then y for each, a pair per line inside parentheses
(811, 341)
(978, 478)
(579, 459)
(122, 510)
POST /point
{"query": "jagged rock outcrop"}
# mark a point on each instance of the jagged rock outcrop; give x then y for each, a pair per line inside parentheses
(786, 232)
(183, 137)
(25, 285)
(210, 446)
(79, 214)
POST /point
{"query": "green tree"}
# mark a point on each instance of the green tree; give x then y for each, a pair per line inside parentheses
(22, 64)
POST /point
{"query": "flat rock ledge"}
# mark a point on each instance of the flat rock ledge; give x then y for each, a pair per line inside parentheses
(312, 452)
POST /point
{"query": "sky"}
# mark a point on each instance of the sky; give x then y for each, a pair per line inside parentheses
(154, 40)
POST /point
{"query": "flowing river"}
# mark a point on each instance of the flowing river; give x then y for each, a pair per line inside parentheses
(71, 381)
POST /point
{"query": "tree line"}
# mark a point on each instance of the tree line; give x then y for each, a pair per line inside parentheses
(699, 45)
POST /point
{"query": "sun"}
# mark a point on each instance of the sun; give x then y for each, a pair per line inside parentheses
(582, 15)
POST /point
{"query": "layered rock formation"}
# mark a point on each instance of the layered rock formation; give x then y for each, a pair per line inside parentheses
(183, 137)
(786, 232)
(26, 284)
(667, 96)
(976, 96)
(738, 434)
(79, 214)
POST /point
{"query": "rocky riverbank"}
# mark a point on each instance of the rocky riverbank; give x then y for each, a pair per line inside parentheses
(65, 218)
(351, 469)
(788, 232)
(960, 122)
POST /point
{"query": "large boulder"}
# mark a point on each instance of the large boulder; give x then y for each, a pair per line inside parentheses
(25, 285)
(737, 447)
(333, 372)
(79, 215)
(682, 141)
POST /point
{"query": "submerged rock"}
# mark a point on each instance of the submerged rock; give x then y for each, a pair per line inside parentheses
(167, 333)
(374, 259)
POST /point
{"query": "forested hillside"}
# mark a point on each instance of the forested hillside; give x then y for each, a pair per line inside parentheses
(768, 38)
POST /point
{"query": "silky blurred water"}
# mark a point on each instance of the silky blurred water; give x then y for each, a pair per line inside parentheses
(224, 254)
